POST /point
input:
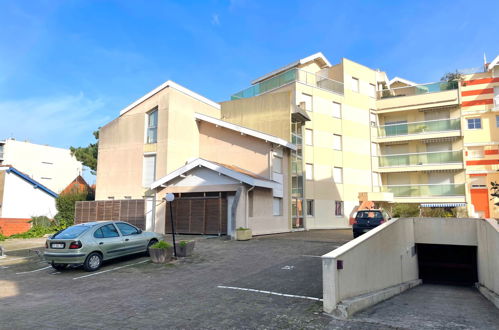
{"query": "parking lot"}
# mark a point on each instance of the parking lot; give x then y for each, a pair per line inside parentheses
(269, 282)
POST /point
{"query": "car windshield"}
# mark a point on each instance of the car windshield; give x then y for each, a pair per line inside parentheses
(369, 215)
(72, 232)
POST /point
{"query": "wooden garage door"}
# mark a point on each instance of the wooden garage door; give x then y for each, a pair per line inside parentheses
(200, 215)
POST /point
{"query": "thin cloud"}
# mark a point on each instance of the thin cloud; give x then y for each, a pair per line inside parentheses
(61, 121)
(215, 19)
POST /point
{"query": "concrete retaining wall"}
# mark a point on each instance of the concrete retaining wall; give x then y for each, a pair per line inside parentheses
(382, 258)
(488, 259)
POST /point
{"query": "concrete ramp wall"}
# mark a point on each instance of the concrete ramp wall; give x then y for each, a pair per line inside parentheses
(488, 259)
(383, 262)
(369, 269)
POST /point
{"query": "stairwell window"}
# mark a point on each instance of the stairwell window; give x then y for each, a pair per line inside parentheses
(497, 121)
(309, 137)
(338, 208)
(309, 171)
(148, 170)
(354, 84)
(474, 123)
(310, 207)
(338, 174)
(336, 110)
(277, 206)
(337, 142)
(152, 126)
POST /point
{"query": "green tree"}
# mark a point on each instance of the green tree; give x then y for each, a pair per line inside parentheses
(65, 205)
(452, 76)
(88, 155)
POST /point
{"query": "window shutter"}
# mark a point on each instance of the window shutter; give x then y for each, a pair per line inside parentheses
(149, 170)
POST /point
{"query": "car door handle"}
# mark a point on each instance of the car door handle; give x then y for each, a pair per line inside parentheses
(101, 243)
(126, 239)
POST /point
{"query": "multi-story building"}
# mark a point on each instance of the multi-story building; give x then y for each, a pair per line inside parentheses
(350, 131)
(480, 112)
(53, 167)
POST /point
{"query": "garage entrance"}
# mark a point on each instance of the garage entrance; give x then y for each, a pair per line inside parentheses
(198, 213)
(447, 264)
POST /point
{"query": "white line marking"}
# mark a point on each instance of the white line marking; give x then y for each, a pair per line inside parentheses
(55, 273)
(309, 256)
(109, 270)
(32, 271)
(269, 292)
(10, 259)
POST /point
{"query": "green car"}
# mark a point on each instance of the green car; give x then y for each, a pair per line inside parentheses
(93, 242)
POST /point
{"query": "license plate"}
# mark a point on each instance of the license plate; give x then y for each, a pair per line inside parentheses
(57, 245)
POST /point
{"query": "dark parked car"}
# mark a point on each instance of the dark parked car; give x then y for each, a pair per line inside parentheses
(366, 220)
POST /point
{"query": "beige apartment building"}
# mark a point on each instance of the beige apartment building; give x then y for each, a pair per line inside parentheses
(53, 167)
(338, 131)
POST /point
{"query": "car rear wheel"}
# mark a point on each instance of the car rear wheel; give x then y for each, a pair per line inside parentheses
(151, 242)
(58, 266)
(93, 262)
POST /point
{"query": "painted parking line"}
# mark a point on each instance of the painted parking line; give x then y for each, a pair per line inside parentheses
(269, 292)
(109, 270)
(32, 271)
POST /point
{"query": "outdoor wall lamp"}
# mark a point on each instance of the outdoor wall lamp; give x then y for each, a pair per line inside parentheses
(170, 198)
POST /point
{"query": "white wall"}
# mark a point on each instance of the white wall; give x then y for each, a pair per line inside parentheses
(451, 231)
(376, 260)
(53, 167)
(22, 200)
(488, 254)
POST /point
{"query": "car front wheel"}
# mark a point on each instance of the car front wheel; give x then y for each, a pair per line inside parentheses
(93, 262)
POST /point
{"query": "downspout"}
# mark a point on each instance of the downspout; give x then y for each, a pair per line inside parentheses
(247, 205)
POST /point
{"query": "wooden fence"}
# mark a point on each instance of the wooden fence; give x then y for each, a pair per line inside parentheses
(129, 210)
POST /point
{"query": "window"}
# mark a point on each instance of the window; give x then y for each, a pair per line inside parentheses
(355, 84)
(126, 229)
(475, 152)
(310, 207)
(372, 90)
(338, 174)
(307, 99)
(496, 95)
(336, 110)
(148, 170)
(375, 179)
(309, 137)
(309, 171)
(276, 162)
(497, 121)
(373, 120)
(474, 123)
(277, 206)
(152, 127)
(338, 208)
(374, 149)
(337, 142)
(478, 182)
(106, 231)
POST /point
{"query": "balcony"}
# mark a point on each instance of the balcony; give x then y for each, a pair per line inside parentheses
(404, 131)
(418, 89)
(290, 76)
(423, 158)
(441, 94)
(426, 190)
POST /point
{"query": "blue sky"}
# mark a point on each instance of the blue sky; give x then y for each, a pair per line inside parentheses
(68, 67)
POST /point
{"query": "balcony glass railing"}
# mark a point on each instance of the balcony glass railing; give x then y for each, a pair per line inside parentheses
(428, 126)
(308, 78)
(424, 158)
(418, 89)
(425, 190)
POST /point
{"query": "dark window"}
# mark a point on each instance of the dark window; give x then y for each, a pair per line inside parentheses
(98, 233)
(109, 231)
(127, 229)
(71, 232)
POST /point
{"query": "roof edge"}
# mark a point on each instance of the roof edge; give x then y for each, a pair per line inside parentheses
(33, 182)
(173, 85)
(244, 130)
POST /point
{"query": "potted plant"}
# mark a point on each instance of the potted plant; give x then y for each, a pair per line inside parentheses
(243, 234)
(185, 248)
(161, 252)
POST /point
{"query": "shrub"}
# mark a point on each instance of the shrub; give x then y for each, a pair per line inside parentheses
(35, 231)
(65, 205)
(161, 245)
(405, 210)
(242, 228)
(41, 221)
(183, 243)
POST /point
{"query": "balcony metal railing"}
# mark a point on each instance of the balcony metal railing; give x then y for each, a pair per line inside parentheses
(308, 78)
(440, 125)
(418, 89)
(425, 190)
(423, 158)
